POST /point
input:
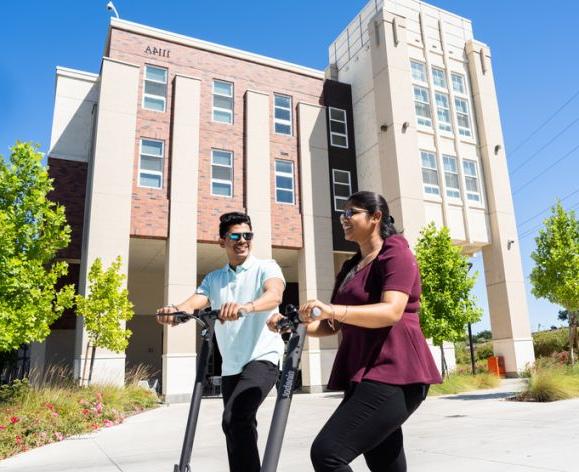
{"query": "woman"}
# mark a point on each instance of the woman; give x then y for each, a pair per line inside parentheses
(383, 363)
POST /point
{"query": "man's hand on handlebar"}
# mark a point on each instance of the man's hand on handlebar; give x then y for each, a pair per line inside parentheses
(165, 315)
(231, 311)
(272, 323)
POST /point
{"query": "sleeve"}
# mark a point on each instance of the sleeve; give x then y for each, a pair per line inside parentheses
(271, 270)
(400, 270)
(205, 287)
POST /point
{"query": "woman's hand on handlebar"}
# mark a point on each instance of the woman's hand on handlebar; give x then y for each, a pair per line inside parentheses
(164, 315)
(306, 309)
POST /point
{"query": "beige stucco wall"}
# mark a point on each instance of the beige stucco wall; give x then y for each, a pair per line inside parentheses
(108, 206)
(179, 347)
(74, 114)
(257, 170)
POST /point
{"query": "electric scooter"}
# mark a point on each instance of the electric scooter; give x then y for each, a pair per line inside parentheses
(206, 319)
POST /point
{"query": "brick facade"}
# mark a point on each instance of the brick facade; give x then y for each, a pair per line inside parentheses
(150, 206)
(69, 191)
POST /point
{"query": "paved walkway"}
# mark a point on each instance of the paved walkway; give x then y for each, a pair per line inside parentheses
(477, 432)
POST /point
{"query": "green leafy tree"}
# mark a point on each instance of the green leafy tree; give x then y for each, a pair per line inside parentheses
(447, 304)
(32, 230)
(556, 272)
(104, 309)
(483, 336)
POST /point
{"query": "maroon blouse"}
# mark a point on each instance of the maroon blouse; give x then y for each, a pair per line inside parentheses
(397, 354)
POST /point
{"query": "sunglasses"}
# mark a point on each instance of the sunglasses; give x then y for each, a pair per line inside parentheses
(349, 212)
(237, 236)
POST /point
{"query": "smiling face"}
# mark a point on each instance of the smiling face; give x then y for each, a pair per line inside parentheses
(237, 251)
(358, 224)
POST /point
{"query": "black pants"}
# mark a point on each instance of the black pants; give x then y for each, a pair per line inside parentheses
(368, 421)
(242, 395)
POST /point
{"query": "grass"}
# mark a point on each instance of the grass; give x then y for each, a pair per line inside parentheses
(458, 383)
(549, 382)
(31, 416)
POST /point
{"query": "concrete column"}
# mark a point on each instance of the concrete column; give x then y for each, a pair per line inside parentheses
(502, 259)
(108, 202)
(399, 161)
(179, 343)
(315, 259)
(257, 170)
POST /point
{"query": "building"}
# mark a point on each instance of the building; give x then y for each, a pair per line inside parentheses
(174, 131)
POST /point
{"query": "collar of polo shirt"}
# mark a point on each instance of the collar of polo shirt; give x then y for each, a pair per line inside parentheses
(246, 264)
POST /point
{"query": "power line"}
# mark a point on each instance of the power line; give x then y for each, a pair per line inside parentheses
(536, 153)
(547, 209)
(546, 169)
(531, 231)
(545, 123)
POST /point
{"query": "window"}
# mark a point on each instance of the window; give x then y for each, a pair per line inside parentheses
(342, 185)
(451, 176)
(418, 71)
(222, 102)
(458, 83)
(338, 128)
(284, 181)
(151, 163)
(438, 77)
(462, 116)
(443, 112)
(429, 173)
(422, 106)
(282, 114)
(471, 180)
(221, 173)
(155, 90)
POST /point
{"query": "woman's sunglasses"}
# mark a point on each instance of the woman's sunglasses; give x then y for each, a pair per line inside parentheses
(237, 236)
(349, 212)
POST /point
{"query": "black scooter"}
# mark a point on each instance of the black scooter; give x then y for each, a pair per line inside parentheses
(206, 319)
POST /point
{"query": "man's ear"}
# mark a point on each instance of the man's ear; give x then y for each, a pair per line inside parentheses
(221, 242)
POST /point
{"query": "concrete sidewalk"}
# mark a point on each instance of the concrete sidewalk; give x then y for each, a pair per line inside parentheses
(476, 432)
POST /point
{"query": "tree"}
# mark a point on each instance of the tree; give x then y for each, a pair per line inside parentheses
(104, 309)
(32, 230)
(556, 272)
(447, 304)
(483, 336)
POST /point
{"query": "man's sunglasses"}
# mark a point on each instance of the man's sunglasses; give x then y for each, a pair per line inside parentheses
(349, 212)
(237, 236)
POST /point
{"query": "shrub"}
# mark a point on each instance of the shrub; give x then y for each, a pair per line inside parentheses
(457, 383)
(550, 382)
(484, 350)
(548, 342)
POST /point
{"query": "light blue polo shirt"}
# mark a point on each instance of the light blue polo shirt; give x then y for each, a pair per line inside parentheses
(248, 338)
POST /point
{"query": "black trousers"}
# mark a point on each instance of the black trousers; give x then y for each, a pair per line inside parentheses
(368, 421)
(242, 395)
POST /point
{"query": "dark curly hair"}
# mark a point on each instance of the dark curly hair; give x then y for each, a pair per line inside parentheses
(227, 220)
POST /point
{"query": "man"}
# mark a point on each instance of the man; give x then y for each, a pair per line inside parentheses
(250, 351)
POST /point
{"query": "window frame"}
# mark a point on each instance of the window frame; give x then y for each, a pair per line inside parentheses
(287, 175)
(443, 75)
(223, 110)
(449, 188)
(476, 178)
(423, 76)
(221, 181)
(156, 97)
(435, 169)
(281, 121)
(444, 126)
(426, 121)
(335, 133)
(462, 130)
(152, 172)
(334, 183)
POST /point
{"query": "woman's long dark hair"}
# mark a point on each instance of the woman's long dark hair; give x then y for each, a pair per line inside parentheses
(374, 202)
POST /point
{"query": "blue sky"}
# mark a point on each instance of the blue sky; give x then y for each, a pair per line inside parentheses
(534, 50)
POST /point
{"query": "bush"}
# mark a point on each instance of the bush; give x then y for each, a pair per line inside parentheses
(484, 350)
(547, 343)
(550, 381)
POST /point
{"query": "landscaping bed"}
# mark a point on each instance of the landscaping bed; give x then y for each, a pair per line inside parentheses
(31, 417)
